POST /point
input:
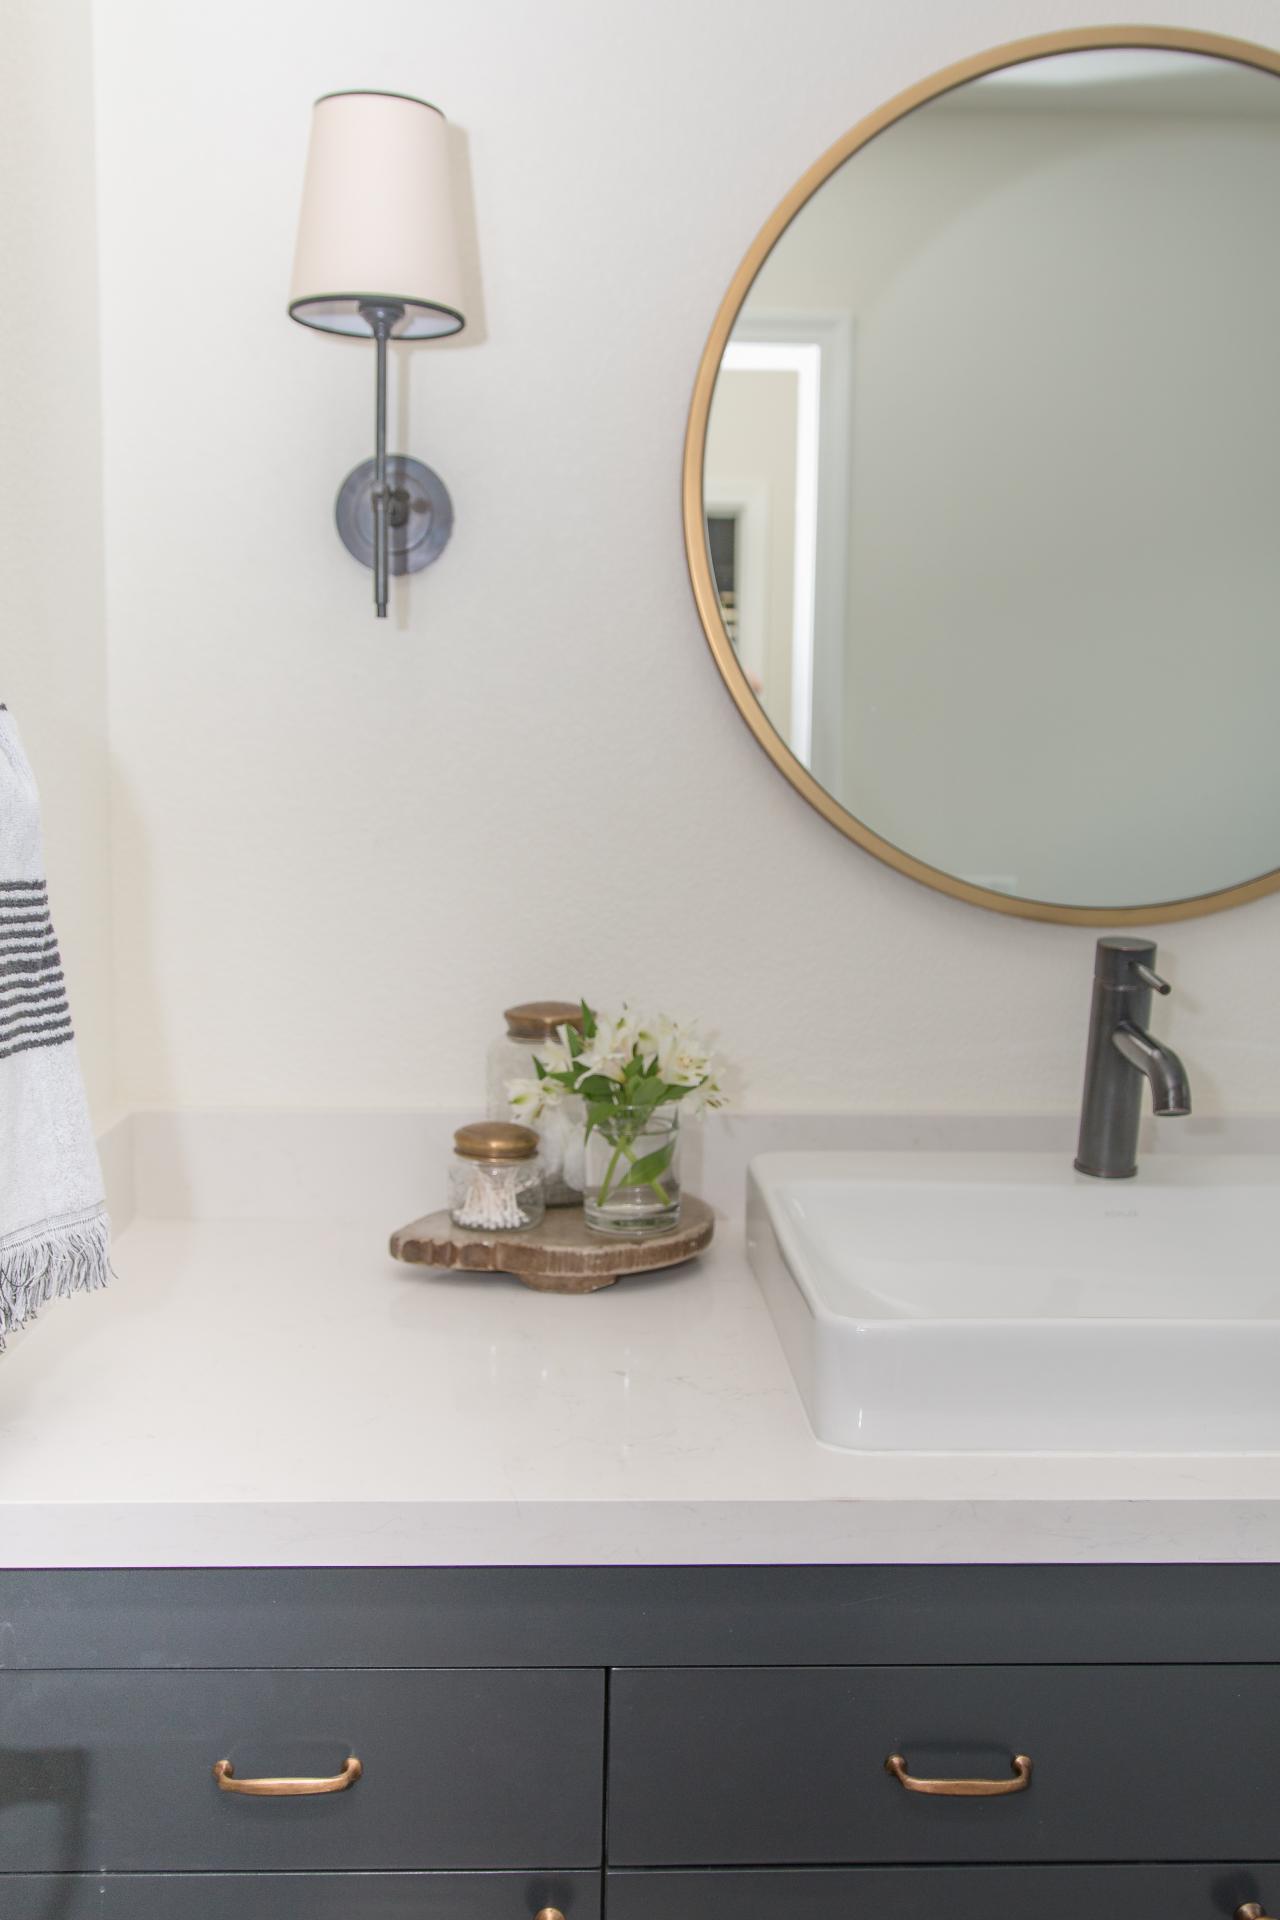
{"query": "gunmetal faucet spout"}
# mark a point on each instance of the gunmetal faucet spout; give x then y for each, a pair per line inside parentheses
(1170, 1092)
(1121, 1055)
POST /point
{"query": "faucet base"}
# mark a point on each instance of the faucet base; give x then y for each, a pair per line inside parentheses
(1105, 1173)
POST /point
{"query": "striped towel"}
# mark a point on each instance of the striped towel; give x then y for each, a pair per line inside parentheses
(54, 1236)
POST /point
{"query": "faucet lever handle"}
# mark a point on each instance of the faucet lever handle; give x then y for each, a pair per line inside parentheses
(1150, 978)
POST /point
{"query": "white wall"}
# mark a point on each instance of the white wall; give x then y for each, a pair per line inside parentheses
(341, 849)
(52, 625)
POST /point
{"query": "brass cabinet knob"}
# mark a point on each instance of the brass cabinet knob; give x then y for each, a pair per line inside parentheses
(224, 1774)
(964, 1789)
(548, 1913)
(1250, 1911)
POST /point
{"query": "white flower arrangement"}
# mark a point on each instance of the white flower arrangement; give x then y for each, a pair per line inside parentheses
(623, 1068)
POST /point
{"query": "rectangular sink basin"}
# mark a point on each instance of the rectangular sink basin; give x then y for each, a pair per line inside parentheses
(1004, 1302)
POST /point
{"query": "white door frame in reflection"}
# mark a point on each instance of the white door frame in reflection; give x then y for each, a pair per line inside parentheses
(818, 349)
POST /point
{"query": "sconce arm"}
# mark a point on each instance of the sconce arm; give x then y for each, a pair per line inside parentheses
(381, 316)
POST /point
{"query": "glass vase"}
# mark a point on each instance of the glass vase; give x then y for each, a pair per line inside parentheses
(632, 1172)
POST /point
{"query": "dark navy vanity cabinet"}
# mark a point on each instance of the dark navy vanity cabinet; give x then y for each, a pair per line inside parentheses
(641, 1743)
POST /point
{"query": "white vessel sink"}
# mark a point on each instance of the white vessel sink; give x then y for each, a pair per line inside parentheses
(970, 1302)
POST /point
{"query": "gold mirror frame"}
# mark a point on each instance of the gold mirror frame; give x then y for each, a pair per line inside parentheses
(1075, 40)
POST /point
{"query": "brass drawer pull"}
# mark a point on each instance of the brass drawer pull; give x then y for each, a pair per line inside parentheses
(224, 1774)
(548, 1913)
(967, 1789)
(1251, 1911)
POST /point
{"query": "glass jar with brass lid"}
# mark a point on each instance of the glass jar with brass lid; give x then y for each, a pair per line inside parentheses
(535, 1024)
(495, 1178)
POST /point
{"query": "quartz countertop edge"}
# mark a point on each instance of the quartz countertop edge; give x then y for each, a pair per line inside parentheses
(284, 1394)
(595, 1533)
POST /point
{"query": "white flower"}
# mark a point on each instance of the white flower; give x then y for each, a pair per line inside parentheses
(673, 1054)
(612, 1049)
(554, 1056)
(684, 1060)
(702, 1098)
(530, 1099)
(599, 1059)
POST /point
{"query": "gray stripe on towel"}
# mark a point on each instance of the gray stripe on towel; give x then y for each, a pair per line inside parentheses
(35, 1045)
(14, 1029)
(27, 947)
(46, 963)
(41, 996)
(32, 1046)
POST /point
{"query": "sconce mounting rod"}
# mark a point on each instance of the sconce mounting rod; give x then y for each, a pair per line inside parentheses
(381, 316)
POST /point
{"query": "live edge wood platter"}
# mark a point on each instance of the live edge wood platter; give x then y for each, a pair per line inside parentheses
(561, 1255)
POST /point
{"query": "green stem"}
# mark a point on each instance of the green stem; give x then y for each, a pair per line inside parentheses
(610, 1170)
(624, 1146)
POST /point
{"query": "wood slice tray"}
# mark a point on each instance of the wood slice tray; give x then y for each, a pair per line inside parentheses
(560, 1256)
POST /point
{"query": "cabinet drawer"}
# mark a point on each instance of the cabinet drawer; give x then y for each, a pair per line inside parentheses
(298, 1896)
(946, 1893)
(754, 1766)
(462, 1768)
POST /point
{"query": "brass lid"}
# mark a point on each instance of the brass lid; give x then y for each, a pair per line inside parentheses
(540, 1019)
(495, 1140)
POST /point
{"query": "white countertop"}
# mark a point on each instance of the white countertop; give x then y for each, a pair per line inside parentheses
(252, 1393)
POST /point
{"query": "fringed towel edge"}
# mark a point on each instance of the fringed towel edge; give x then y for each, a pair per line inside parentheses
(70, 1257)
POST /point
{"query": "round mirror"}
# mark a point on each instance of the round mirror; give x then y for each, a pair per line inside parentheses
(983, 475)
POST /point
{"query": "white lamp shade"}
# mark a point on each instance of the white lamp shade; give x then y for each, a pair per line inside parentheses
(377, 218)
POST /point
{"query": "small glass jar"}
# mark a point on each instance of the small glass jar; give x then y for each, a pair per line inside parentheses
(495, 1178)
(560, 1129)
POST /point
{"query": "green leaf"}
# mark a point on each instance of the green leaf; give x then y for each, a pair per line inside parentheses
(574, 1039)
(588, 1022)
(648, 1171)
(598, 1087)
(602, 1114)
(599, 1114)
(648, 1095)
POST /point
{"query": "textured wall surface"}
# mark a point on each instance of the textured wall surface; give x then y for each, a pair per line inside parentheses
(340, 848)
(52, 625)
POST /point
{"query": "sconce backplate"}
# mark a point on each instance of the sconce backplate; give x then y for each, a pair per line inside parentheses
(420, 518)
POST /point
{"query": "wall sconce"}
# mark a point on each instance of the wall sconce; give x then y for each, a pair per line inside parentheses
(377, 256)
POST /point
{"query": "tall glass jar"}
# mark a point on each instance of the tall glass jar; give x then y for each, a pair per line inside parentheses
(633, 1172)
(560, 1129)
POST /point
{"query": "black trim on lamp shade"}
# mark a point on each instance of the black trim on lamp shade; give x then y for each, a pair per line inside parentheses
(352, 302)
(381, 93)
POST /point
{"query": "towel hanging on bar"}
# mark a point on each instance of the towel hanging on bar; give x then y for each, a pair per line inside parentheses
(54, 1233)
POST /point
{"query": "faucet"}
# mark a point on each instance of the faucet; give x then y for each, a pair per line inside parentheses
(1120, 1053)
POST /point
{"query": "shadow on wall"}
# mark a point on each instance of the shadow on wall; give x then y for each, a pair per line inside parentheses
(466, 227)
(474, 334)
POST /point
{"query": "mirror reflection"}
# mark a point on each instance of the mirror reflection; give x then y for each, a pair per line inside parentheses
(990, 480)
